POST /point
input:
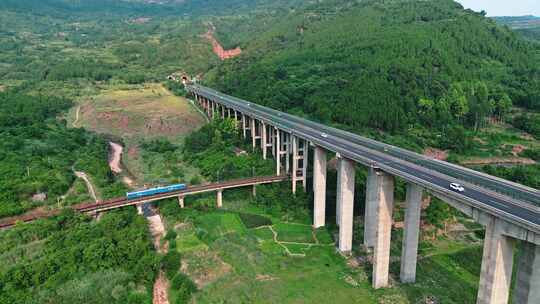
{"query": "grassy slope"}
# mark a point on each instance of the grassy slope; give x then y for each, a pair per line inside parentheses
(141, 113)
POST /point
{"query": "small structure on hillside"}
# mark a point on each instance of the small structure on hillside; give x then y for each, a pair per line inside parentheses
(239, 151)
(179, 77)
(39, 197)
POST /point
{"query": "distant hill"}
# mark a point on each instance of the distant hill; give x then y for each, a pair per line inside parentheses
(519, 22)
(528, 26)
(385, 64)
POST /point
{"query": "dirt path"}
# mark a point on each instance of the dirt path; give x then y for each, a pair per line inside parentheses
(115, 163)
(160, 290)
(76, 116)
(89, 185)
(161, 285)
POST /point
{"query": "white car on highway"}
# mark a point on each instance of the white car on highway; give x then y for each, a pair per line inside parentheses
(324, 135)
(457, 187)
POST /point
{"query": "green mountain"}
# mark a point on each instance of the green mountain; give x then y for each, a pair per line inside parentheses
(388, 65)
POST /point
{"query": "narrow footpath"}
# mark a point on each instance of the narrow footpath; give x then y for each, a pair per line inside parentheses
(89, 185)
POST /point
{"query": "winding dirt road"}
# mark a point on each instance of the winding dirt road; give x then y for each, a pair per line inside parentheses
(89, 185)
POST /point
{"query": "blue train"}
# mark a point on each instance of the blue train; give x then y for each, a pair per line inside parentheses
(153, 191)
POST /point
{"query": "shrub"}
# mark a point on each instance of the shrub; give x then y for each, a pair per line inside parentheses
(182, 280)
(254, 220)
(171, 235)
(171, 263)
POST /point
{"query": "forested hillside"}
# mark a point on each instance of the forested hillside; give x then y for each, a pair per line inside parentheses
(388, 65)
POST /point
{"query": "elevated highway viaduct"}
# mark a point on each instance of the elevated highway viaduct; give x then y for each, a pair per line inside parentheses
(510, 212)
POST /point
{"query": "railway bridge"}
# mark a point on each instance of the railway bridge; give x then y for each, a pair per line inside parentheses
(99, 207)
(510, 212)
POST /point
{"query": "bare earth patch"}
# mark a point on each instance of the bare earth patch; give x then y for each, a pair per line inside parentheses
(204, 267)
(161, 285)
(151, 111)
(157, 230)
(436, 153)
(116, 154)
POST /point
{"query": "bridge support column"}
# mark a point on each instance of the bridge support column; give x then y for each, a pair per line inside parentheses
(208, 108)
(294, 177)
(253, 126)
(244, 126)
(264, 140)
(411, 231)
(139, 209)
(287, 145)
(381, 245)
(220, 198)
(305, 162)
(273, 143)
(254, 191)
(497, 260)
(278, 152)
(372, 199)
(319, 187)
(345, 189)
(181, 202)
(527, 290)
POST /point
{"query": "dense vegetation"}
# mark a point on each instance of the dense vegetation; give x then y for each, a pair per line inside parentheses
(398, 66)
(38, 153)
(71, 259)
(213, 150)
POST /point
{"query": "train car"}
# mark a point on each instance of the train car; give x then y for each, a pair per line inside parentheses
(154, 191)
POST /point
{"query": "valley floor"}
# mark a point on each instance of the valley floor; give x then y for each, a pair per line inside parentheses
(289, 262)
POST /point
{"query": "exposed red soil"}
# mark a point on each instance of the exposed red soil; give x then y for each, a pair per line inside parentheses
(161, 285)
(436, 153)
(218, 49)
(517, 149)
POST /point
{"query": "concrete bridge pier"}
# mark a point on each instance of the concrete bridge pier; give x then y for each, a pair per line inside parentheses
(345, 190)
(287, 150)
(299, 160)
(370, 212)
(264, 140)
(319, 187)
(253, 126)
(527, 290)
(220, 198)
(305, 162)
(139, 209)
(411, 232)
(294, 172)
(497, 263)
(384, 188)
(278, 151)
(181, 202)
(273, 132)
(244, 126)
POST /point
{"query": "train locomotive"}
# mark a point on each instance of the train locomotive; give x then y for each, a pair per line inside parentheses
(154, 191)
